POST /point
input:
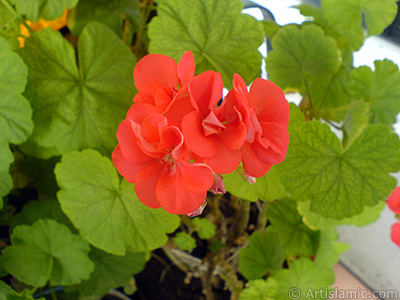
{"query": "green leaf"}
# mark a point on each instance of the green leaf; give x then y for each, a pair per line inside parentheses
(9, 25)
(295, 58)
(90, 187)
(316, 221)
(295, 237)
(263, 254)
(380, 88)
(104, 11)
(184, 241)
(355, 121)
(329, 249)
(347, 15)
(43, 9)
(296, 117)
(206, 229)
(219, 35)
(78, 108)
(340, 183)
(47, 251)
(8, 293)
(110, 272)
(266, 188)
(6, 158)
(41, 209)
(259, 289)
(304, 280)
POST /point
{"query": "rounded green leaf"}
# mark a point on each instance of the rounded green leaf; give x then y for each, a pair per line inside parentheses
(110, 272)
(205, 229)
(47, 251)
(76, 108)
(219, 35)
(263, 254)
(43, 9)
(296, 57)
(107, 214)
(303, 280)
(380, 88)
(266, 188)
(340, 183)
(259, 289)
(184, 241)
(295, 237)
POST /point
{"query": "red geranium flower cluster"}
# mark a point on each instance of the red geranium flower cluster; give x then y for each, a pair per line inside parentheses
(178, 136)
(394, 204)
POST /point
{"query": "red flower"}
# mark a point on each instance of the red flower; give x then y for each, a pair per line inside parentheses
(214, 133)
(163, 83)
(395, 235)
(267, 139)
(152, 154)
(394, 201)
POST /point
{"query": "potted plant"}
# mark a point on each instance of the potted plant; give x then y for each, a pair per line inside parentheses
(235, 194)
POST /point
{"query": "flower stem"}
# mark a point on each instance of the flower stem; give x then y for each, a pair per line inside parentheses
(53, 294)
(262, 217)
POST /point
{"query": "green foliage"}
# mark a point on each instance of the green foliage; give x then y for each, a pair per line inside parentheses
(90, 187)
(184, 241)
(295, 62)
(8, 293)
(80, 107)
(259, 290)
(205, 229)
(110, 271)
(266, 188)
(295, 237)
(340, 183)
(219, 35)
(43, 9)
(303, 280)
(263, 254)
(380, 88)
(47, 251)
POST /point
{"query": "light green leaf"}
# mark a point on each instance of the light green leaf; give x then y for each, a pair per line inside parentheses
(304, 280)
(329, 249)
(295, 58)
(263, 254)
(296, 117)
(47, 251)
(8, 293)
(108, 214)
(206, 229)
(219, 35)
(78, 108)
(184, 241)
(347, 15)
(6, 158)
(295, 237)
(266, 188)
(380, 88)
(9, 26)
(259, 289)
(316, 221)
(340, 183)
(43, 9)
(110, 272)
(355, 121)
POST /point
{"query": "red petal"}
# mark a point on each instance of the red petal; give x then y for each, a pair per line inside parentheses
(395, 234)
(127, 169)
(394, 201)
(155, 70)
(272, 144)
(225, 161)
(211, 124)
(179, 108)
(128, 144)
(206, 90)
(140, 111)
(172, 140)
(270, 101)
(194, 136)
(146, 182)
(196, 178)
(174, 197)
(142, 98)
(186, 68)
(251, 164)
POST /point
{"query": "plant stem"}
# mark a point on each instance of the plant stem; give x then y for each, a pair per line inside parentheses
(244, 217)
(53, 294)
(262, 217)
